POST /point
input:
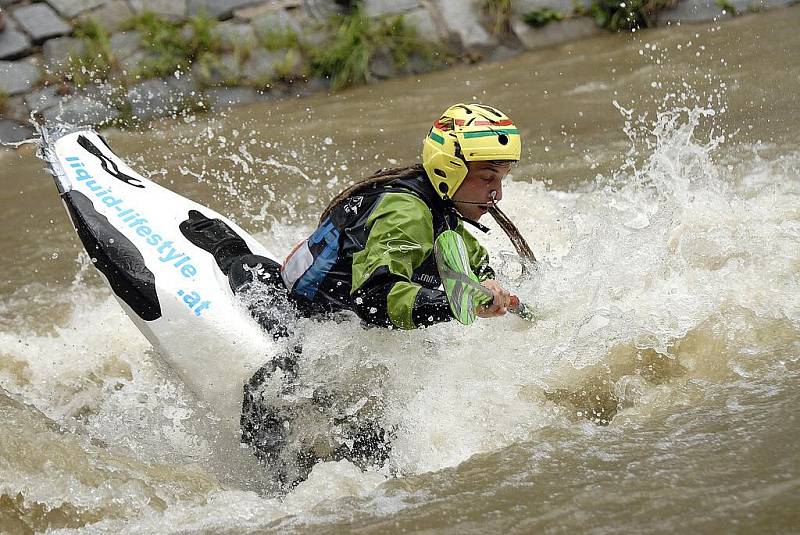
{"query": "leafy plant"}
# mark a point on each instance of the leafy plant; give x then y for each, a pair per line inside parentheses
(357, 39)
(499, 14)
(727, 6)
(621, 15)
(280, 40)
(542, 17)
(96, 61)
(171, 46)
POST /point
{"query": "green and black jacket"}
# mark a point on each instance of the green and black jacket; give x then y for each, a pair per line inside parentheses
(373, 254)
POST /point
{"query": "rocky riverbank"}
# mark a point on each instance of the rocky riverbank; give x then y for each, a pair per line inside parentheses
(125, 62)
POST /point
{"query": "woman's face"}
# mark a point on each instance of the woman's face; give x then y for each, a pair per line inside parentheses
(481, 188)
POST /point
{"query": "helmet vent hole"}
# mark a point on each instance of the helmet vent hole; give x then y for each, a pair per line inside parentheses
(502, 139)
(443, 187)
(439, 172)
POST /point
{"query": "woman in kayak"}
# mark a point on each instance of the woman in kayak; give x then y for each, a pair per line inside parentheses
(372, 253)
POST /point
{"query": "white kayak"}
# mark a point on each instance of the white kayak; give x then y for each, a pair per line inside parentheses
(173, 291)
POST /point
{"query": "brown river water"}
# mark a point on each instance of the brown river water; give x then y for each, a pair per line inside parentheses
(659, 391)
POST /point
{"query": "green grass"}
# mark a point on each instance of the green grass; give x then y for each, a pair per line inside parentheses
(96, 62)
(285, 39)
(357, 39)
(627, 15)
(542, 17)
(170, 45)
(727, 6)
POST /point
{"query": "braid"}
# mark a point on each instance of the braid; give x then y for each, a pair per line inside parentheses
(382, 176)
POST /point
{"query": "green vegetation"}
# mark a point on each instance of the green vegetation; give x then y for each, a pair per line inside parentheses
(727, 6)
(499, 14)
(281, 40)
(622, 15)
(172, 46)
(95, 62)
(3, 102)
(357, 40)
(542, 17)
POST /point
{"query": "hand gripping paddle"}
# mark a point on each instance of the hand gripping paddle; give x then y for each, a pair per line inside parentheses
(464, 291)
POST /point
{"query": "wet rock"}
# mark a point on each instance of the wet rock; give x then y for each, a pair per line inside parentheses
(377, 8)
(523, 7)
(169, 9)
(421, 21)
(71, 8)
(222, 71)
(16, 110)
(56, 52)
(235, 34)
(41, 22)
(111, 15)
(247, 14)
(221, 9)
(322, 10)
(382, 66)
(42, 99)
(460, 19)
(705, 10)
(18, 76)
(81, 110)
(225, 97)
(278, 20)
(13, 43)
(14, 132)
(125, 43)
(158, 98)
(261, 65)
(554, 32)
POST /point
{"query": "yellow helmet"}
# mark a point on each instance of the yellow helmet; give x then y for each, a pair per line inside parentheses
(466, 133)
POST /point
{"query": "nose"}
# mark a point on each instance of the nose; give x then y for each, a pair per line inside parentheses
(497, 189)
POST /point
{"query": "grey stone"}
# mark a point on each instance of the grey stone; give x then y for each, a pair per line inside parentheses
(81, 110)
(376, 8)
(246, 14)
(421, 21)
(221, 9)
(71, 8)
(382, 65)
(523, 7)
(275, 21)
(460, 19)
(14, 132)
(41, 22)
(16, 109)
(235, 34)
(111, 15)
(689, 11)
(225, 97)
(13, 43)
(322, 10)
(18, 76)
(169, 9)
(554, 32)
(56, 52)
(42, 99)
(157, 98)
(225, 70)
(261, 65)
(124, 44)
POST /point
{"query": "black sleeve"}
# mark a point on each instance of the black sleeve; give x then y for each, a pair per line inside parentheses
(370, 301)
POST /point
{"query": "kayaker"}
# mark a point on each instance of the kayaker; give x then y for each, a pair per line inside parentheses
(372, 253)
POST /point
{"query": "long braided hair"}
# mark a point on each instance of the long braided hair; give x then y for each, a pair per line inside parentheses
(384, 176)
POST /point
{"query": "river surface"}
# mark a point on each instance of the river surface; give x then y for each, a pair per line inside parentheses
(659, 391)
